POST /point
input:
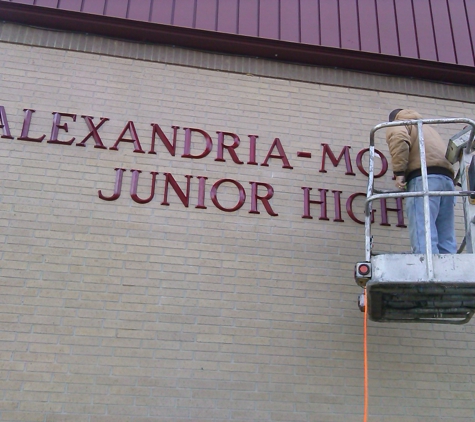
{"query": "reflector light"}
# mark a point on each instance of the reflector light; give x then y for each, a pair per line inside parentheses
(363, 269)
(362, 273)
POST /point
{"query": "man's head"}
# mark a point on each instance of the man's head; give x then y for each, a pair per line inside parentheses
(393, 114)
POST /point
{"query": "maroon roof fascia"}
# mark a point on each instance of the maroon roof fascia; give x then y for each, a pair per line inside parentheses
(287, 51)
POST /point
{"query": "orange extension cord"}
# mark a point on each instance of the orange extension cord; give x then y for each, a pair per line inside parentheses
(365, 358)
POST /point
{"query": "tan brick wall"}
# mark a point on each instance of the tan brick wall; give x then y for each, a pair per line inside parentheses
(115, 311)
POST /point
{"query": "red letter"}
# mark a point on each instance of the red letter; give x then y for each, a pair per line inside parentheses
(230, 148)
(281, 155)
(336, 197)
(185, 199)
(252, 150)
(117, 187)
(344, 152)
(187, 149)
(57, 125)
(134, 183)
(26, 128)
(349, 208)
(156, 130)
(322, 202)
(93, 132)
(398, 209)
(135, 139)
(4, 124)
(384, 163)
(264, 199)
(201, 192)
(214, 195)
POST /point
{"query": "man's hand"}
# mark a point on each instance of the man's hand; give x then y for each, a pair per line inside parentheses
(400, 183)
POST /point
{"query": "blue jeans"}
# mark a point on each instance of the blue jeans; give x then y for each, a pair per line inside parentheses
(442, 224)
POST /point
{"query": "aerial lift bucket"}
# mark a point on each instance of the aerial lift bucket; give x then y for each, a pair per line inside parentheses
(437, 288)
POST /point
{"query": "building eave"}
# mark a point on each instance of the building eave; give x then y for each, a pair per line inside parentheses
(225, 43)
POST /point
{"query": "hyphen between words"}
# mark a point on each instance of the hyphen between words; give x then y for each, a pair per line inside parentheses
(226, 141)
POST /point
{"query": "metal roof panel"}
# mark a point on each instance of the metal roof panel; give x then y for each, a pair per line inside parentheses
(405, 37)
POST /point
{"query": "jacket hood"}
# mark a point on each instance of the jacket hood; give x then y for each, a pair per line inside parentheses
(407, 114)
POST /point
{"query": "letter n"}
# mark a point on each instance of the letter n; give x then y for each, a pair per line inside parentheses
(184, 198)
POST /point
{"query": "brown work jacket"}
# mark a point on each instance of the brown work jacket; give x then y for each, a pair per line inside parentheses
(404, 148)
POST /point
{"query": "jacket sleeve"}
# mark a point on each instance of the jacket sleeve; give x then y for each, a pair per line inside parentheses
(399, 142)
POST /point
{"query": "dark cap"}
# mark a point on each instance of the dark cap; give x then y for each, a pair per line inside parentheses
(394, 113)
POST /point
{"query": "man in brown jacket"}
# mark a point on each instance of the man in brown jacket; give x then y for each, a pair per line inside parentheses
(404, 148)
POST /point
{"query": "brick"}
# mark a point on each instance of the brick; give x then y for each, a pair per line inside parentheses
(118, 311)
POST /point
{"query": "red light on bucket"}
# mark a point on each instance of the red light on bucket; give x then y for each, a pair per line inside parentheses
(363, 269)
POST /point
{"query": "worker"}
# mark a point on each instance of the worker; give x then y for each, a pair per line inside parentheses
(406, 163)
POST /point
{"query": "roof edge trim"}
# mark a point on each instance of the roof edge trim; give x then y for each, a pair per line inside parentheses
(236, 44)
